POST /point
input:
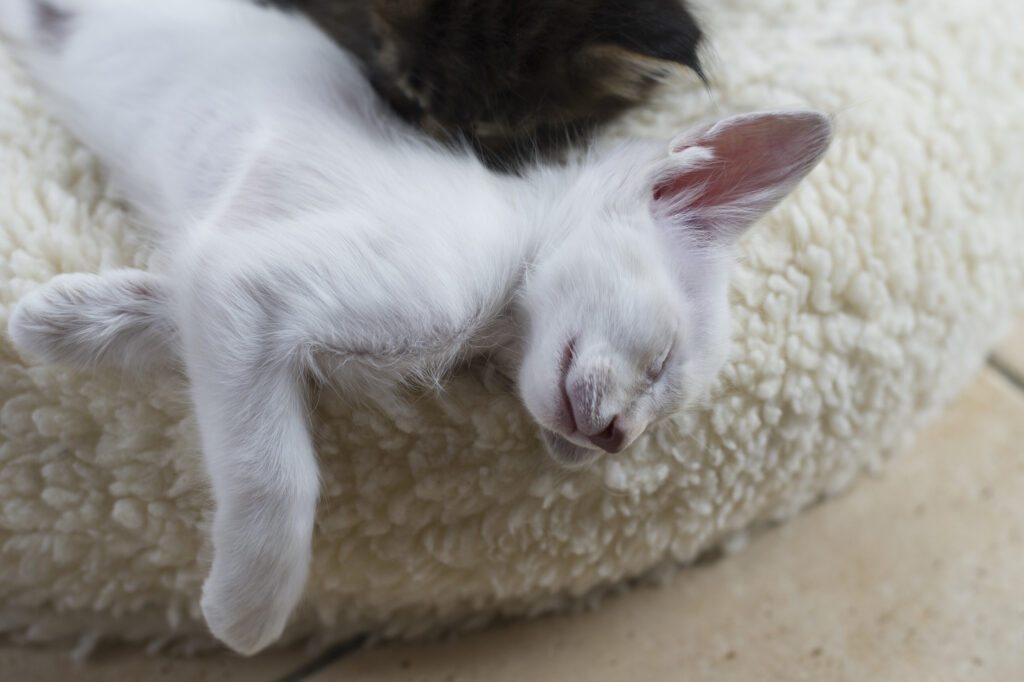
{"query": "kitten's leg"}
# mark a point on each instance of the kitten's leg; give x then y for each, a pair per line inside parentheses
(253, 422)
(122, 318)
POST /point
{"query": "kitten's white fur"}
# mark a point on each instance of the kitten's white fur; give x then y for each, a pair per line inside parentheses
(305, 231)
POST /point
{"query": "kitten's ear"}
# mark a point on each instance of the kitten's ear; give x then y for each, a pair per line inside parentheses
(722, 178)
(660, 29)
(622, 75)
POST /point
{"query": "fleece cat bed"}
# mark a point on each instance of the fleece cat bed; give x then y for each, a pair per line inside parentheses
(861, 306)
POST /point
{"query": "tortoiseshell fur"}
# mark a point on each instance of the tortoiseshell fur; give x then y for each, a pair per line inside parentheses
(516, 79)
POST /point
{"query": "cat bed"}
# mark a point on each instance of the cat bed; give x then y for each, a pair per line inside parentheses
(861, 306)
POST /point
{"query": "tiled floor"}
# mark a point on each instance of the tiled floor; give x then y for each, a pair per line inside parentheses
(917, 574)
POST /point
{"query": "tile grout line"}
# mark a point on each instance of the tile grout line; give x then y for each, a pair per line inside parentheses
(1007, 372)
(327, 658)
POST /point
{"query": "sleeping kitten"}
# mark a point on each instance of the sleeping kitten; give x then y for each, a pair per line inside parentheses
(307, 232)
(515, 78)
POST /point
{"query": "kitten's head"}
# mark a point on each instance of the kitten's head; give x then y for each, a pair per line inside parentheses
(521, 79)
(627, 314)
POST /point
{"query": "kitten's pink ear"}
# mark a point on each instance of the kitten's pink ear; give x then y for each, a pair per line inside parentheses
(721, 179)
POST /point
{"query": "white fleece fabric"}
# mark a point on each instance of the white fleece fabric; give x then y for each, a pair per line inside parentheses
(861, 306)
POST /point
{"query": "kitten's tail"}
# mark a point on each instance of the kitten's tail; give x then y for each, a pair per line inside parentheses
(123, 318)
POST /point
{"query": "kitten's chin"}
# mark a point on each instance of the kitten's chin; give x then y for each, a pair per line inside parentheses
(567, 453)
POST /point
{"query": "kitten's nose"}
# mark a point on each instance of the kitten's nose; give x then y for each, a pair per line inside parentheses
(586, 396)
(612, 439)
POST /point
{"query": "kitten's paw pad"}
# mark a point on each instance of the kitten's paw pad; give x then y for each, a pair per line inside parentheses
(242, 622)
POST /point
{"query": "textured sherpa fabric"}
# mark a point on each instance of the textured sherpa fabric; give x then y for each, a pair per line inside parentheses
(862, 305)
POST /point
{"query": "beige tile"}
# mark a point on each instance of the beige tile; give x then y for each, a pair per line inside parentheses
(39, 664)
(1011, 352)
(915, 575)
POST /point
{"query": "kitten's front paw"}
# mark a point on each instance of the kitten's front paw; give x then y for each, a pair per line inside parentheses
(247, 615)
(245, 631)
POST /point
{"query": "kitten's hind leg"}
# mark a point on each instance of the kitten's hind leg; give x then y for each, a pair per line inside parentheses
(253, 422)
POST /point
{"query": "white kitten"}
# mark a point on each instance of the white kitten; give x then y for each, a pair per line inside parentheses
(308, 232)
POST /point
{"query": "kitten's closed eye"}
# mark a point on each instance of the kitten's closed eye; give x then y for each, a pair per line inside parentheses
(657, 368)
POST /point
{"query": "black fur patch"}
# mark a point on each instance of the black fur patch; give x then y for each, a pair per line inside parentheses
(516, 78)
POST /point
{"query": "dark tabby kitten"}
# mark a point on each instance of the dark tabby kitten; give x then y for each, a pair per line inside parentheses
(516, 78)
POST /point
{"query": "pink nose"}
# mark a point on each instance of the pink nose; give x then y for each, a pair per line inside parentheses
(584, 399)
(612, 439)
